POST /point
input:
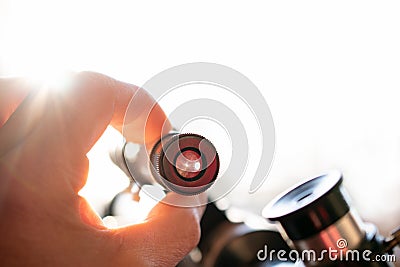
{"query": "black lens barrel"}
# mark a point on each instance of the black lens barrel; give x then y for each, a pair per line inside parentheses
(310, 207)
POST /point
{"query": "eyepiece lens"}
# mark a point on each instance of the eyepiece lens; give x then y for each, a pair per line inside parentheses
(188, 164)
(185, 163)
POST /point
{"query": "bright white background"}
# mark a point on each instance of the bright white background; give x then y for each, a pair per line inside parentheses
(330, 72)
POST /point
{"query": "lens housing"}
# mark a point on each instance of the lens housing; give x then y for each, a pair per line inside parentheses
(185, 163)
(309, 207)
(316, 215)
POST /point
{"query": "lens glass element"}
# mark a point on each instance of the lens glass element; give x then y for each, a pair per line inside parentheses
(188, 164)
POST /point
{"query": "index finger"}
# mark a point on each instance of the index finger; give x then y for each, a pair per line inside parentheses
(77, 116)
(12, 92)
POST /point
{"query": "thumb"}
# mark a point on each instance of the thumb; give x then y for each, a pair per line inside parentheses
(168, 234)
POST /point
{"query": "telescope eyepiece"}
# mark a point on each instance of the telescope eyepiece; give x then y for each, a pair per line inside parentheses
(316, 216)
(309, 207)
(185, 163)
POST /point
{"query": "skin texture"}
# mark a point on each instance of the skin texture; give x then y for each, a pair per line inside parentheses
(44, 138)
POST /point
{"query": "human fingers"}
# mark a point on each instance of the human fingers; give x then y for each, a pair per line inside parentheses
(12, 93)
(165, 237)
(62, 125)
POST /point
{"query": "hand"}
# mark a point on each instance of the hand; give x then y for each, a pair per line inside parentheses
(44, 138)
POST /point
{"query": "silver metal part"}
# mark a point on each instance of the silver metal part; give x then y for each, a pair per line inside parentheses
(345, 234)
(137, 162)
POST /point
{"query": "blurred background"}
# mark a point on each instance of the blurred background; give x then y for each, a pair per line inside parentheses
(329, 71)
